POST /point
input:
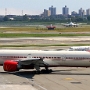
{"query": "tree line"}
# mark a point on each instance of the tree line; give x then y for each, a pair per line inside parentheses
(49, 19)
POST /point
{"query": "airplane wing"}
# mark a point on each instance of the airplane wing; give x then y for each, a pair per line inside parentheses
(29, 61)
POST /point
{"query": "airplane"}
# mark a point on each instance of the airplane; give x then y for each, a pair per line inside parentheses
(14, 60)
(76, 48)
(79, 48)
(71, 24)
(51, 27)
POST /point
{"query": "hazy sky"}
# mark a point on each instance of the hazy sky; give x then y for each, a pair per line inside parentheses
(32, 7)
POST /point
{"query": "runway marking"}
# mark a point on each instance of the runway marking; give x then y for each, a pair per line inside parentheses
(68, 79)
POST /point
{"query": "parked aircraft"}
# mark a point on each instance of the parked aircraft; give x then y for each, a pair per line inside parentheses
(51, 27)
(71, 24)
(79, 48)
(14, 60)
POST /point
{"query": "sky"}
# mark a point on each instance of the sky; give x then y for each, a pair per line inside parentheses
(36, 7)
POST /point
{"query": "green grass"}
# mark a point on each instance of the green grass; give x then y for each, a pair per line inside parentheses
(10, 35)
(42, 32)
(45, 45)
(39, 29)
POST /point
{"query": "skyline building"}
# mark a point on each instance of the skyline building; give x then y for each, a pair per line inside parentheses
(81, 12)
(73, 13)
(88, 12)
(65, 10)
(53, 10)
(47, 13)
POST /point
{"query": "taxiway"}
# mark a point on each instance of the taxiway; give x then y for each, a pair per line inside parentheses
(61, 78)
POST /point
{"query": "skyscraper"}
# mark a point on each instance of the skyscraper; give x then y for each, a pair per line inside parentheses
(81, 12)
(53, 10)
(47, 13)
(88, 12)
(65, 10)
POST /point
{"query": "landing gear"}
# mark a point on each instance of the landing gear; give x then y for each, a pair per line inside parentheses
(37, 69)
(38, 72)
(46, 70)
(46, 67)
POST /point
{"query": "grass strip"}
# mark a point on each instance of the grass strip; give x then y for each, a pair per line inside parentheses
(44, 29)
(12, 35)
(44, 45)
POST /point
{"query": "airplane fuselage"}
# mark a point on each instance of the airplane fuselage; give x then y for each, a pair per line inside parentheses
(51, 58)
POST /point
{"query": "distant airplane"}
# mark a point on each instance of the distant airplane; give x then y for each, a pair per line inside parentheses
(14, 60)
(79, 48)
(71, 24)
(51, 27)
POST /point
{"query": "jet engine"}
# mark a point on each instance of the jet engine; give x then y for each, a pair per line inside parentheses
(10, 66)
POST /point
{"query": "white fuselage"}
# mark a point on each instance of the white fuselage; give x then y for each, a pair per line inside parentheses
(79, 48)
(71, 24)
(52, 58)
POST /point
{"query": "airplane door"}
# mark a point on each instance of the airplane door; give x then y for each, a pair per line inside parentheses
(63, 57)
(29, 56)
